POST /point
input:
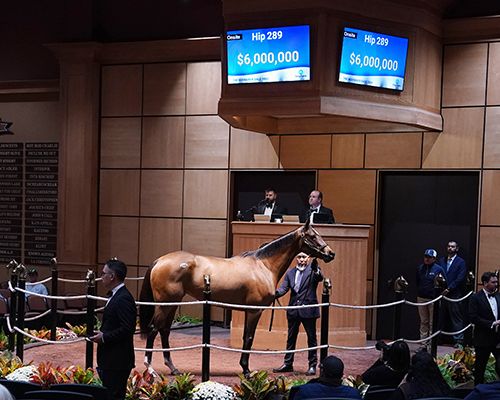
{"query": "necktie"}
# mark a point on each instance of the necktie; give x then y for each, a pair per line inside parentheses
(448, 263)
(491, 294)
(314, 210)
(298, 279)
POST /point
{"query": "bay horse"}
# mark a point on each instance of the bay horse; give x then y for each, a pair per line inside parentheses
(248, 279)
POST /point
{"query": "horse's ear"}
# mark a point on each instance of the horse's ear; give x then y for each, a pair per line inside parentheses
(306, 225)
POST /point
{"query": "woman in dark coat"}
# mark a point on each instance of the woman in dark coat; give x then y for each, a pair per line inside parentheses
(391, 367)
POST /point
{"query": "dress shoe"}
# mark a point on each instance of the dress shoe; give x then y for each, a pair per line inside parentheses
(284, 368)
(311, 371)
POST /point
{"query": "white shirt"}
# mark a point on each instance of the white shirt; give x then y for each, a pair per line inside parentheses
(493, 304)
(114, 290)
(449, 261)
(269, 210)
(314, 212)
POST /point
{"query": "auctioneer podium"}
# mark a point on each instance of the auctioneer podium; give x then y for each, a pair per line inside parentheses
(347, 273)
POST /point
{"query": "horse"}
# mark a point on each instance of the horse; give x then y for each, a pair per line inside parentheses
(248, 279)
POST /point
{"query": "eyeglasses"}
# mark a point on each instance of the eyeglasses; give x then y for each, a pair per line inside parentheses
(302, 256)
(106, 273)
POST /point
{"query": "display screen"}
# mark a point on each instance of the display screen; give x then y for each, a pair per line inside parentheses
(268, 55)
(373, 59)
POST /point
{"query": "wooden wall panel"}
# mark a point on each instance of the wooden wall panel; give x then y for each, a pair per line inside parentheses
(163, 142)
(161, 193)
(253, 150)
(121, 90)
(165, 89)
(204, 236)
(464, 75)
(120, 142)
(460, 143)
(119, 192)
(493, 96)
(207, 142)
(393, 150)
(489, 250)
(118, 237)
(490, 206)
(350, 193)
(205, 193)
(132, 285)
(203, 87)
(348, 151)
(311, 151)
(158, 236)
(492, 138)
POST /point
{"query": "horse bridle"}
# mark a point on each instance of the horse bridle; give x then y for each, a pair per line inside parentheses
(312, 247)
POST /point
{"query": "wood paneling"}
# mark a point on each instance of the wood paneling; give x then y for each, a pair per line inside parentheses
(121, 90)
(351, 194)
(205, 193)
(464, 75)
(493, 96)
(118, 237)
(158, 236)
(163, 142)
(207, 142)
(204, 236)
(120, 142)
(253, 150)
(119, 192)
(203, 87)
(165, 89)
(460, 143)
(348, 151)
(490, 206)
(161, 193)
(492, 138)
(393, 150)
(489, 250)
(311, 151)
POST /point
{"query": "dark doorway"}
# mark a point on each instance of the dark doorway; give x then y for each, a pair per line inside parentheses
(420, 210)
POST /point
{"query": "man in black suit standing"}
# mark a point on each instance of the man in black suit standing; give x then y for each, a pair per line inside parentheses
(115, 340)
(456, 272)
(484, 310)
(316, 207)
(303, 281)
(269, 205)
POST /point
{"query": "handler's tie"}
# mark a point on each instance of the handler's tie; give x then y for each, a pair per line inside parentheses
(298, 279)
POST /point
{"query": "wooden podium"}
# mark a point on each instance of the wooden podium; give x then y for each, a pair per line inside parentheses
(347, 274)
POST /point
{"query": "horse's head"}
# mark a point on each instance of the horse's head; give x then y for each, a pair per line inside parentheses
(314, 245)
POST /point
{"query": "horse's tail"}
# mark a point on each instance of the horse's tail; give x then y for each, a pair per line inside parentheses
(146, 312)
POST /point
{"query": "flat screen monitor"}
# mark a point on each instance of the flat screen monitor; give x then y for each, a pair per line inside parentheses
(268, 55)
(373, 59)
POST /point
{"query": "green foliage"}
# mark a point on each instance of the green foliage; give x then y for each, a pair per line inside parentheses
(181, 386)
(9, 362)
(258, 386)
(152, 386)
(187, 319)
(87, 376)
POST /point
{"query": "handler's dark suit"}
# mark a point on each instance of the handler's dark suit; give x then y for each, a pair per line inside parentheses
(115, 356)
(486, 338)
(306, 294)
(327, 212)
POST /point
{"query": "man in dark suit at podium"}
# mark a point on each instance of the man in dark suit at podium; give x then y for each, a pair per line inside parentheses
(317, 212)
(269, 205)
(484, 308)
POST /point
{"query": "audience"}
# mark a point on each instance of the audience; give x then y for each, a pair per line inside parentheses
(5, 394)
(391, 367)
(485, 391)
(423, 380)
(329, 383)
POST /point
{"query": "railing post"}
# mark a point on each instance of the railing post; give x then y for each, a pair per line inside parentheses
(325, 319)
(400, 290)
(21, 301)
(205, 360)
(439, 285)
(53, 302)
(13, 305)
(91, 304)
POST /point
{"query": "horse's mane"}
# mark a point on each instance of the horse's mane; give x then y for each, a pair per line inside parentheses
(268, 249)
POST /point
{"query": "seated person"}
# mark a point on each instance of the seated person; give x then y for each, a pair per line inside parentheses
(485, 391)
(329, 383)
(423, 380)
(316, 207)
(391, 367)
(32, 286)
(269, 205)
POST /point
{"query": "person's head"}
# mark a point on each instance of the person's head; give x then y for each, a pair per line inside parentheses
(315, 198)
(113, 273)
(32, 275)
(332, 369)
(398, 356)
(5, 394)
(271, 195)
(452, 248)
(430, 256)
(302, 261)
(489, 281)
(424, 374)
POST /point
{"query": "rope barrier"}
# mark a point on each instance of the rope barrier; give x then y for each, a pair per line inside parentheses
(367, 307)
(42, 281)
(72, 280)
(214, 346)
(47, 340)
(37, 316)
(426, 303)
(458, 300)
(194, 346)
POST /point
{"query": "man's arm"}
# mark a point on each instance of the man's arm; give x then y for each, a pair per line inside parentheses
(126, 314)
(475, 313)
(460, 278)
(284, 288)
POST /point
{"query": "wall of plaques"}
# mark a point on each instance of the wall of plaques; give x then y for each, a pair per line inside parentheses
(28, 202)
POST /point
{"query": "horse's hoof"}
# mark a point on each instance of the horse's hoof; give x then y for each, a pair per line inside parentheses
(175, 372)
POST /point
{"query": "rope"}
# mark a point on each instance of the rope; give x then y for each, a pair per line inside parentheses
(194, 346)
(72, 280)
(46, 340)
(175, 303)
(214, 346)
(458, 300)
(230, 305)
(42, 281)
(139, 278)
(424, 303)
(367, 307)
(37, 316)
